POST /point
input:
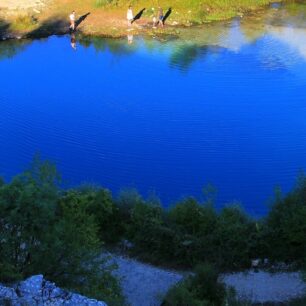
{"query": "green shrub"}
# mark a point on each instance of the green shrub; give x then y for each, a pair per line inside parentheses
(23, 22)
(125, 202)
(181, 295)
(202, 288)
(98, 203)
(191, 233)
(38, 220)
(193, 218)
(234, 234)
(196, 225)
(101, 3)
(286, 226)
(27, 214)
(145, 219)
(42, 233)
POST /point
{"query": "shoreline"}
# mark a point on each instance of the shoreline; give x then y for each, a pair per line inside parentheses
(109, 23)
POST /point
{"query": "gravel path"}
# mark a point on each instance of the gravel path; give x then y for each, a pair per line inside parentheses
(266, 287)
(145, 285)
(142, 284)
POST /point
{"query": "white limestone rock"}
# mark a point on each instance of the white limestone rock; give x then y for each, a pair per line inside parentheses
(37, 291)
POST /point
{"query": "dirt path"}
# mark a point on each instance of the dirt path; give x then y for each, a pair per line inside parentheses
(145, 285)
(142, 284)
(263, 287)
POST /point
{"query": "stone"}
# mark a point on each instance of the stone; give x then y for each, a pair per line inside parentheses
(7, 293)
(37, 291)
(31, 286)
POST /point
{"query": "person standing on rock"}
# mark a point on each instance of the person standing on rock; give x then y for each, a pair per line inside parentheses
(129, 16)
(72, 21)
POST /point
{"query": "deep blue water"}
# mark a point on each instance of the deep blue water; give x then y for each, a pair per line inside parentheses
(225, 105)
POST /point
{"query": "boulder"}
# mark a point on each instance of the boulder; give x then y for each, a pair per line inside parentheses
(37, 291)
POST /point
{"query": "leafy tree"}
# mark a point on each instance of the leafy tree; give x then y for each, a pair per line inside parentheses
(234, 230)
(193, 218)
(98, 203)
(196, 225)
(286, 225)
(27, 213)
(200, 289)
(42, 232)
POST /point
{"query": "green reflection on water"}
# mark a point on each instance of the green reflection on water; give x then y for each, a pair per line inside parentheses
(10, 48)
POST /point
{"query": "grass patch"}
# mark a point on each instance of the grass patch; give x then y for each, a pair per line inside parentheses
(102, 3)
(24, 23)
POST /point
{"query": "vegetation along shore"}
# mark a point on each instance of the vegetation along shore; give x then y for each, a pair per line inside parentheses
(71, 228)
(27, 18)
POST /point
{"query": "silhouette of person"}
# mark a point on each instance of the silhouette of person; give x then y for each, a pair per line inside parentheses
(72, 21)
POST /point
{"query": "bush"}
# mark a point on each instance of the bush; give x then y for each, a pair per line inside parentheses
(23, 22)
(125, 202)
(200, 289)
(42, 233)
(286, 226)
(196, 224)
(146, 221)
(181, 295)
(98, 203)
(38, 220)
(234, 238)
(101, 3)
(191, 233)
(193, 218)
(27, 214)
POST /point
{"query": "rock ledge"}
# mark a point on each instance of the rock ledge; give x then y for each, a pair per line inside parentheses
(37, 291)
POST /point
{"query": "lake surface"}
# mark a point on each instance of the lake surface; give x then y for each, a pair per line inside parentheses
(225, 104)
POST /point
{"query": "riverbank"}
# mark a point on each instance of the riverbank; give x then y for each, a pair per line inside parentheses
(28, 18)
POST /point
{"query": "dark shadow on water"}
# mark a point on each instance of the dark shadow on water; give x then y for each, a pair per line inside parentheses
(81, 19)
(168, 13)
(117, 47)
(138, 15)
